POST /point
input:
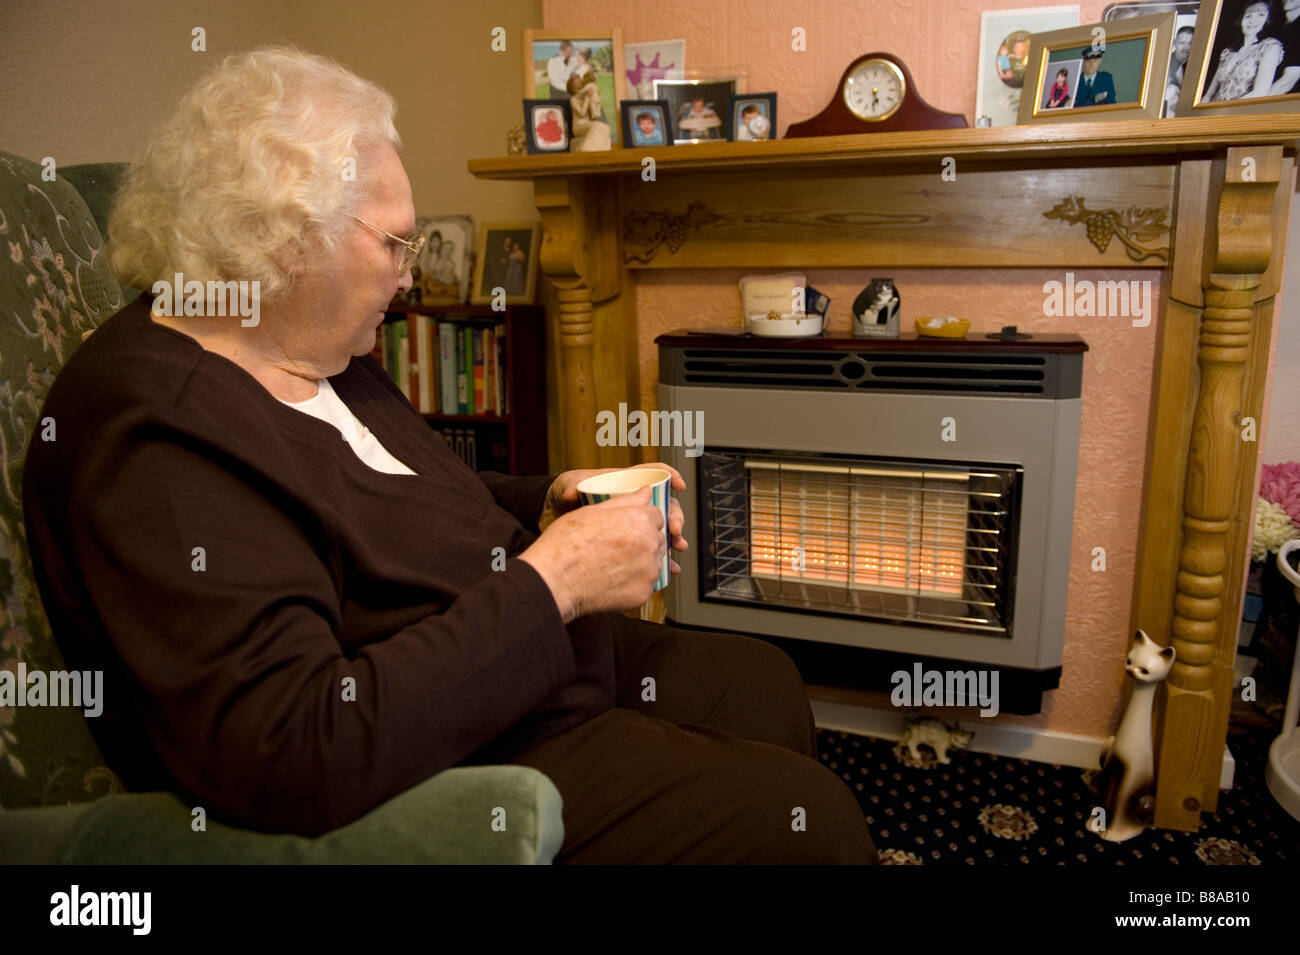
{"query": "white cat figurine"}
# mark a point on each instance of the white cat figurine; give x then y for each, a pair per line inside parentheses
(1126, 780)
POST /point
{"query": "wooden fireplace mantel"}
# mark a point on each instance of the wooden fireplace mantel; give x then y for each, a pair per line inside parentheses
(1206, 201)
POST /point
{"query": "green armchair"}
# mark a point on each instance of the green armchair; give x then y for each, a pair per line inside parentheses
(59, 803)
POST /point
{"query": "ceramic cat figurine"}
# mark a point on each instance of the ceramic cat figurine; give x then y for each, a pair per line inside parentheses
(1126, 782)
(918, 729)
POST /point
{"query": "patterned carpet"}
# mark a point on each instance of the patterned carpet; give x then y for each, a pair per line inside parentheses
(993, 809)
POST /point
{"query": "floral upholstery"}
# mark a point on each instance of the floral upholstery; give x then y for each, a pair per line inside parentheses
(55, 289)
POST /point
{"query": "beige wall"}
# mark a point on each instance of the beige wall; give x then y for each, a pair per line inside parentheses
(85, 81)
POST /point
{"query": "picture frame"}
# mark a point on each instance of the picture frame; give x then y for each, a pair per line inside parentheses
(600, 50)
(1218, 76)
(441, 275)
(646, 123)
(698, 106)
(548, 125)
(646, 62)
(751, 116)
(1121, 70)
(498, 265)
(1000, 72)
(1185, 12)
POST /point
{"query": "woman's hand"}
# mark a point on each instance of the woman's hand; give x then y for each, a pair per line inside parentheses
(606, 556)
(562, 498)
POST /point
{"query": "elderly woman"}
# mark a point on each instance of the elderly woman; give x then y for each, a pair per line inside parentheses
(296, 590)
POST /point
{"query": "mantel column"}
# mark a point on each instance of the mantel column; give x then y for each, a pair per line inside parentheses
(1221, 455)
(581, 257)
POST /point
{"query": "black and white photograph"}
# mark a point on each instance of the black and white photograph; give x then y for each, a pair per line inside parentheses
(506, 259)
(1185, 12)
(753, 117)
(441, 274)
(698, 107)
(1245, 58)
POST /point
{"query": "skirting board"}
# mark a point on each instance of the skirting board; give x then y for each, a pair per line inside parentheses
(1018, 742)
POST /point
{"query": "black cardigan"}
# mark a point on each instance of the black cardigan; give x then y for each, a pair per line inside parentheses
(340, 636)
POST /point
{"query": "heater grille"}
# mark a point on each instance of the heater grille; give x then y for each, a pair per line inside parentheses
(953, 370)
(904, 541)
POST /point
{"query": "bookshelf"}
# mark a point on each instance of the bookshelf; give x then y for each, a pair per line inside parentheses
(441, 343)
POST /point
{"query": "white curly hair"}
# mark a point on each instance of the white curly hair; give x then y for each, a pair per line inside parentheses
(248, 176)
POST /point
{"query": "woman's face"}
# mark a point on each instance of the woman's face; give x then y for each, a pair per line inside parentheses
(1254, 17)
(337, 303)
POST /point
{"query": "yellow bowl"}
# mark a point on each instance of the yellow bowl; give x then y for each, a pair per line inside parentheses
(934, 329)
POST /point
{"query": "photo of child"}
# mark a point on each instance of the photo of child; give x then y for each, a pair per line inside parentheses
(751, 120)
(548, 129)
(697, 107)
(1059, 94)
(442, 274)
(646, 122)
(649, 129)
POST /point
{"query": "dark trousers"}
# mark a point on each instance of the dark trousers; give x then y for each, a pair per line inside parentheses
(719, 768)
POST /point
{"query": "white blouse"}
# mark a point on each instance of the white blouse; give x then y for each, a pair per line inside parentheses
(329, 407)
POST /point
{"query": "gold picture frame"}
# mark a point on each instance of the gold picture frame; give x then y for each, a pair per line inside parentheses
(611, 76)
(497, 266)
(1138, 48)
(1215, 32)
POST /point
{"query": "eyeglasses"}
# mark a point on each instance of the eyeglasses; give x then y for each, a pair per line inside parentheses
(410, 247)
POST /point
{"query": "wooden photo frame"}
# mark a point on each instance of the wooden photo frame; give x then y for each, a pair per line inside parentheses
(1127, 82)
(507, 259)
(1220, 82)
(646, 123)
(600, 50)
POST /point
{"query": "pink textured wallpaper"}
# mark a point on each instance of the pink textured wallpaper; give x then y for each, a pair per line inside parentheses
(938, 39)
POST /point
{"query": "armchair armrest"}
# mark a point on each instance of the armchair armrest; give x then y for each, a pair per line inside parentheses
(445, 820)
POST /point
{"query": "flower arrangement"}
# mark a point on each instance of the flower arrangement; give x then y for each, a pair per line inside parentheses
(1277, 509)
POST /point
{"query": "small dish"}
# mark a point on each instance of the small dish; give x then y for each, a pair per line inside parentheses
(787, 326)
(943, 327)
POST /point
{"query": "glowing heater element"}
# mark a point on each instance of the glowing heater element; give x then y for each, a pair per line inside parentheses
(891, 530)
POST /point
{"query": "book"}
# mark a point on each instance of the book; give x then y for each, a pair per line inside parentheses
(403, 359)
(424, 368)
(490, 371)
(413, 352)
(462, 372)
(447, 367)
(477, 337)
(504, 370)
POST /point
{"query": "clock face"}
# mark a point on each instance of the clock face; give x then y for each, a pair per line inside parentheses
(874, 90)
